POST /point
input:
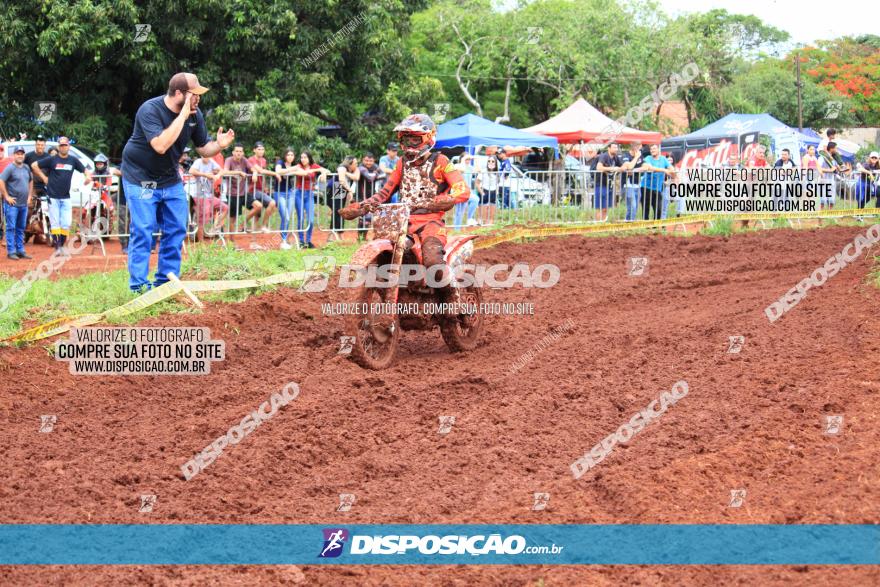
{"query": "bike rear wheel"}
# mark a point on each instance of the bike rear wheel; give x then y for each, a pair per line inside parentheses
(462, 332)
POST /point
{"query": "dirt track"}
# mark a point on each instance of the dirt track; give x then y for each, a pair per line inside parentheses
(751, 420)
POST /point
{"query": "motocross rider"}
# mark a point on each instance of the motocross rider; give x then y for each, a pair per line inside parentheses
(427, 182)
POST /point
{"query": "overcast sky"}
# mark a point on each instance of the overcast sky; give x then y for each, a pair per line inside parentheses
(806, 21)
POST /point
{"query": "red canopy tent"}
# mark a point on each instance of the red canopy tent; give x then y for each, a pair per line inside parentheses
(582, 122)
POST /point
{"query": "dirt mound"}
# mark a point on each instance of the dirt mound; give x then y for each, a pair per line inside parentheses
(751, 420)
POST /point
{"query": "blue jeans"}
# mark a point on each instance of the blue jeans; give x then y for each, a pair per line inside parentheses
(632, 201)
(505, 198)
(664, 204)
(305, 214)
(16, 221)
(470, 205)
(144, 205)
(60, 215)
(285, 210)
(864, 192)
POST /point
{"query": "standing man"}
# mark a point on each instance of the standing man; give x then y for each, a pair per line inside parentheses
(387, 163)
(259, 168)
(239, 172)
(658, 167)
(163, 126)
(608, 164)
(57, 172)
(632, 159)
(17, 190)
(38, 153)
(505, 169)
(371, 175)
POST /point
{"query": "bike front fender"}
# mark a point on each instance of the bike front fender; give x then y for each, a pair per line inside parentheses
(367, 254)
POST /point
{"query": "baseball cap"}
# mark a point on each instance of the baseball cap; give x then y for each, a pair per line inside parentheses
(501, 150)
(63, 141)
(186, 82)
(259, 144)
(40, 138)
(393, 146)
(19, 149)
(874, 154)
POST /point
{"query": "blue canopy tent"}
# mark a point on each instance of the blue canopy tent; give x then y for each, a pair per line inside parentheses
(782, 135)
(846, 149)
(470, 131)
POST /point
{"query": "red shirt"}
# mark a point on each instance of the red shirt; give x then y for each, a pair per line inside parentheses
(261, 161)
(304, 182)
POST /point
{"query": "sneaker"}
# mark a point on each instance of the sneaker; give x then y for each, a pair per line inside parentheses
(23, 255)
(284, 246)
(472, 222)
(264, 229)
(310, 246)
(13, 256)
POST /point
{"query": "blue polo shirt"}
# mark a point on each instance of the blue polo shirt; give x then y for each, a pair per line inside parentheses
(654, 180)
(140, 162)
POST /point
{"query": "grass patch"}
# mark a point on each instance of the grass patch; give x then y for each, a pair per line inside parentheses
(719, 226)
(93, 293)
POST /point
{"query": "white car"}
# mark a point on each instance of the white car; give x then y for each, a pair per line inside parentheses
(79, 193)
(524, 191)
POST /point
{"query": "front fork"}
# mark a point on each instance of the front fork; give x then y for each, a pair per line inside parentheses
(396, 262)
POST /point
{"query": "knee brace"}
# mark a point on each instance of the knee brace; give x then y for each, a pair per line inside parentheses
(432, 252)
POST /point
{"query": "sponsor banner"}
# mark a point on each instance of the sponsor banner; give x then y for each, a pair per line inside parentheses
(470, 544)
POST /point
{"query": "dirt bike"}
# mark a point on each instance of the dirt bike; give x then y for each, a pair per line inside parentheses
(100, 205)
(375, 334)
(38, 221)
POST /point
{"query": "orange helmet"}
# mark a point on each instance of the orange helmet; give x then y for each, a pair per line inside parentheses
(416, 134)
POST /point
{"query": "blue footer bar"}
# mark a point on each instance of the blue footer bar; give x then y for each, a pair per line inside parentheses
(528, 544)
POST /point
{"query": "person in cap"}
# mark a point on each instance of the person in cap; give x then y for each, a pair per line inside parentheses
(56, 172)
(163, 127)
(869, 175)
(430, 184)
(29, 159)
(17, 191)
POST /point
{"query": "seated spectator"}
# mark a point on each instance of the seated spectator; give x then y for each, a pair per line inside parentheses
(258, 165)
(207, 206)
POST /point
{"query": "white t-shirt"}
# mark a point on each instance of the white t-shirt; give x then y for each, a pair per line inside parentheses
(204, 186)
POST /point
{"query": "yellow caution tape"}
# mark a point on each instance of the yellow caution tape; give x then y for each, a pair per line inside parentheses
(172, 288)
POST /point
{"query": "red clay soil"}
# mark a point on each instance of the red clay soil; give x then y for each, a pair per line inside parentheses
(751, 420)
(93, 260)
